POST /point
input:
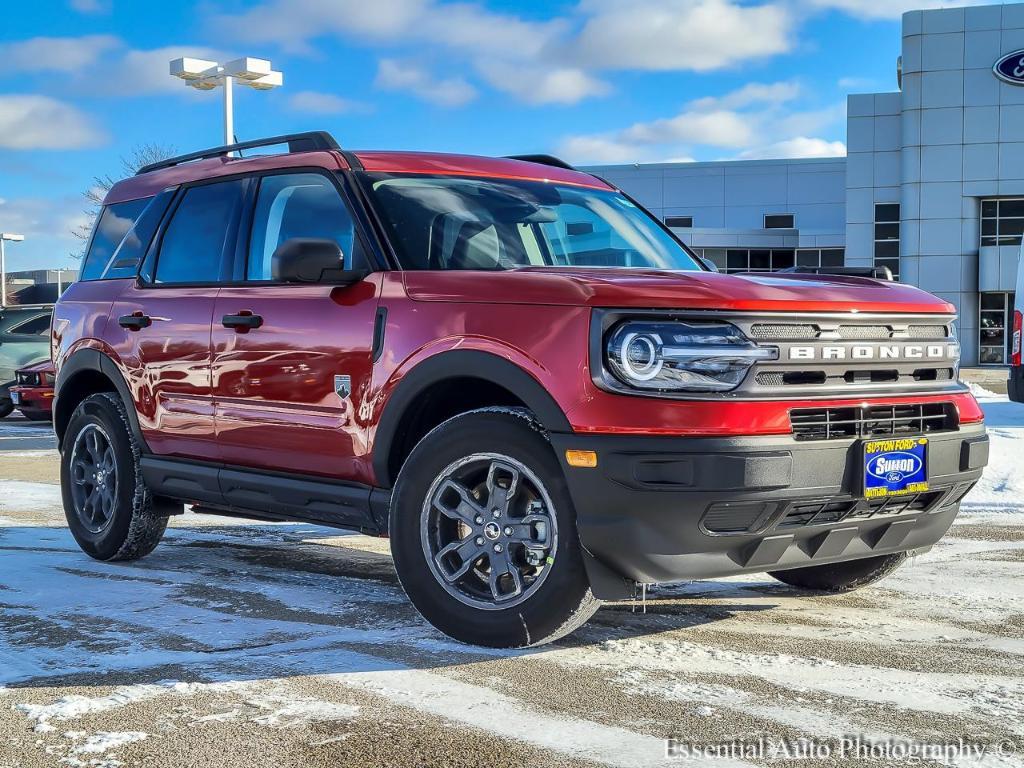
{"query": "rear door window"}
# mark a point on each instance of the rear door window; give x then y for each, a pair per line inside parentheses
(114, 223)
(200, 234)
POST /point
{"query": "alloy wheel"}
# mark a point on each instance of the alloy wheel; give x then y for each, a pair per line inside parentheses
(93, 478)
(488, 531)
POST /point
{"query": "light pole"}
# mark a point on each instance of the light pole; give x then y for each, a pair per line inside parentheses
(206, 75)
(4, 237)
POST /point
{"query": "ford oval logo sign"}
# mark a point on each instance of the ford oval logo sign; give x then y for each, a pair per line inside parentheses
(1010, 68)
(893, 467)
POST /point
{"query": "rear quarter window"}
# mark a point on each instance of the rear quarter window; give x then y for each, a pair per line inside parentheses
(103, 261)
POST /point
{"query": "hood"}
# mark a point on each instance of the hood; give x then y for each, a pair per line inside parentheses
(43, 366)
(603, 287)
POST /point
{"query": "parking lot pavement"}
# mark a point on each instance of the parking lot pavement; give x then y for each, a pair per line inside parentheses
(19, 434)
(256, 644)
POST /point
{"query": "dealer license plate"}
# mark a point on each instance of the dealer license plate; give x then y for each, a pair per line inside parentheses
(15, 397)
(897, 466)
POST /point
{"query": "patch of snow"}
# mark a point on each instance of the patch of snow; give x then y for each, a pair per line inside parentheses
(289, 712)
(1001, 488)
(20, 497)
(104, 741)
(979, 391)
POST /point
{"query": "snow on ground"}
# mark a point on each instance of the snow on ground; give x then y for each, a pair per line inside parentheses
(238, 644)
(1002, 486)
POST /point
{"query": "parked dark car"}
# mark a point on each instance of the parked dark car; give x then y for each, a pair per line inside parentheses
(24, 340)
(33, 392)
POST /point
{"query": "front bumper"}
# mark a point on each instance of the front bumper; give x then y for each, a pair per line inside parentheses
(37, 400)
(660, 509)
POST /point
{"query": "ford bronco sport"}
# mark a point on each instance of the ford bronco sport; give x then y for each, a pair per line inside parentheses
(507, 366)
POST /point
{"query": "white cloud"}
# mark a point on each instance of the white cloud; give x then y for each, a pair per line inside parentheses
(801, 146)
(145, 72)
(395, 75)
(55, 54)
(539, 61)
(318, 103)
(542, 85)
(889, 9)
(48, 226)
(696, 35)
(30, 121)
(755, 120)
(293, 23)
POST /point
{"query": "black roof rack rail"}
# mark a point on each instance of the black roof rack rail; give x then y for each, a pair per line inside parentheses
(542, 160)
(297, 142)
(877, 273)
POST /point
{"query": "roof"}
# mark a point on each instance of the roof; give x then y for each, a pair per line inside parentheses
(148, 184)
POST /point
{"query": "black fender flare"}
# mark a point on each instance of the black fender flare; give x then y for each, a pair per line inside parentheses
(455, 364)
(93, 360)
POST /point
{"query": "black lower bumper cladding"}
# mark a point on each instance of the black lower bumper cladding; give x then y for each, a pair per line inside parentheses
(661, 509)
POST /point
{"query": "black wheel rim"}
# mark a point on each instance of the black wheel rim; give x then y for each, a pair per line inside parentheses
(489, 531)
(93, 478)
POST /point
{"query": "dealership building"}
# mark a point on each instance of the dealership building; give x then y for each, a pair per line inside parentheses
(932, 185)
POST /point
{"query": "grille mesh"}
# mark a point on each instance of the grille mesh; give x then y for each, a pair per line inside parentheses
(864, 332)
(927, 331)
(783, 331)
(826, 511)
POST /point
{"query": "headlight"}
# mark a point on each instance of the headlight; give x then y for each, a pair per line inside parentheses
(682, 356)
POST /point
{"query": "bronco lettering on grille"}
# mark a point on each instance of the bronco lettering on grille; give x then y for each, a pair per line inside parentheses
(874, 352)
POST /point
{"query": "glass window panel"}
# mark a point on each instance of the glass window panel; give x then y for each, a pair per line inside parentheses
(989, 208)
(989, 226)
(778, 221)
(783, 259)
(887, 249)
(1011, 227)
(887, 212)
(737, 259)
(1011, 208)
(679, 221)
(991, 355)
(193, 246)
(832, 257)
(989, 241)
(993, 301)
(808, 258)
(887, 231)
(760, 259)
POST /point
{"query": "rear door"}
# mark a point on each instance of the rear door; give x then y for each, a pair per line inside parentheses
(290, 381)
(163, 321)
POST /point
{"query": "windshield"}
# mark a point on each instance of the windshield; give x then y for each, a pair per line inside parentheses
(445, 222)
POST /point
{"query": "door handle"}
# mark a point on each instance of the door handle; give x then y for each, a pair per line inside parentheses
(136, 321)
(243, 321)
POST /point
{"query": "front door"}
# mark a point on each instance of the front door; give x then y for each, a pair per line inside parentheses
(164, 321)
(292, 363)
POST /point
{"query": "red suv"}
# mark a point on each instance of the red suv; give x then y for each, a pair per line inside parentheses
(510, 368)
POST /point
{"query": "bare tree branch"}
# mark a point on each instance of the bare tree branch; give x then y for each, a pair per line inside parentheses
(140, 155)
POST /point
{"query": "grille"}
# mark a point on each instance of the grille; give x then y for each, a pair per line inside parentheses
(28, 379)
(826, 512)
(872, 421)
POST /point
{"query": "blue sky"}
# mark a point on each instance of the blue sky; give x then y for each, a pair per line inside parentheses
(84, 81)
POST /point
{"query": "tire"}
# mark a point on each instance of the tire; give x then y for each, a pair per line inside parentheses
(485, 453)
(6, 408)
(121, 522)
(841, 577)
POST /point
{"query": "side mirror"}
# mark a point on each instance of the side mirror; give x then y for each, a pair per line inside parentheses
(312, 260)
(709, 263)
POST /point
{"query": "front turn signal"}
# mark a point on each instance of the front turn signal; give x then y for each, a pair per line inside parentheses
(581, 458)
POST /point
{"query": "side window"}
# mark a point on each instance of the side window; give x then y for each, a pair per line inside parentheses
(193, 245)
(297, 205)
(37, 326)
(113, 224)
